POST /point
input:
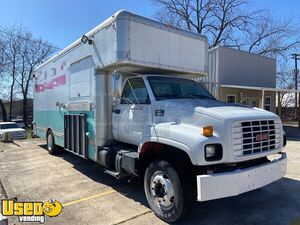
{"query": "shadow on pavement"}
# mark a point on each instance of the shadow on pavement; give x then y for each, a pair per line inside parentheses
(292, 132)
(277, 203)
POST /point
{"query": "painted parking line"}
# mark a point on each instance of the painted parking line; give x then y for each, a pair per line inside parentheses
(89, 198)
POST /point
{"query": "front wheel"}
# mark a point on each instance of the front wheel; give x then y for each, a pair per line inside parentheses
(167, 193)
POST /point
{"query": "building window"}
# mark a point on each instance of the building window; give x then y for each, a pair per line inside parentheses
(246, 101)
(267, 105)
(231, 98)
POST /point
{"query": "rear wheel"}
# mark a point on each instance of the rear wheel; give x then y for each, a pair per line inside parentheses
(51, 146)
(168, 194)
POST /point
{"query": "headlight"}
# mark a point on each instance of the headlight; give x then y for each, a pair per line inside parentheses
(213, 152)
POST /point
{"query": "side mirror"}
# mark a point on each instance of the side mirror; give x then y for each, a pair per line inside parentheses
(117, 80)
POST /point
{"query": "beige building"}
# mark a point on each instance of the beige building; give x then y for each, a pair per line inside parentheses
(247, 96)
(242, 77)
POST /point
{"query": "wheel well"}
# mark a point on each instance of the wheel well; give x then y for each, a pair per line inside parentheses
(153, 150)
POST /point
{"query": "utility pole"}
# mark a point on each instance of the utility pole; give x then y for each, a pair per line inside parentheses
(296, 57)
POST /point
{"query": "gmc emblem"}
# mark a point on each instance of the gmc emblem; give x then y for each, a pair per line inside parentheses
(262, 137)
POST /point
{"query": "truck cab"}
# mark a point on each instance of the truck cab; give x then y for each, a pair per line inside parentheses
(180, 110)
(217, 149)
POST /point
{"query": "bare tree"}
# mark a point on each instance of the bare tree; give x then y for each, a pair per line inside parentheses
(217, 19)
(231, 23)
(2, 68)
(272, 38)
(11, 49)
(284, 80)
(32, 53)
(22, 53)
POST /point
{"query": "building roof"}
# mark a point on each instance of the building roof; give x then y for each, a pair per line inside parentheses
(260, 88)
(241, 51)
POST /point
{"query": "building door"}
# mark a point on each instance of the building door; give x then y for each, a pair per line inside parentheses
(246, 101)
(267, 105)
(250, 101)
(254, 102)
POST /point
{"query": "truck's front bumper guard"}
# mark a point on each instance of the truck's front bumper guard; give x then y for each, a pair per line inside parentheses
(228, 184)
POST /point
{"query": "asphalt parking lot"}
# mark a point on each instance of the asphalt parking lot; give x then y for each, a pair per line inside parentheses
(90, 196)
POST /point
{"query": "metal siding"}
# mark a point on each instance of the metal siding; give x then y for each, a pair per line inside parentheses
(245, 69)
(128, 41)
(211, 80)
(212, 68)
(158, 46)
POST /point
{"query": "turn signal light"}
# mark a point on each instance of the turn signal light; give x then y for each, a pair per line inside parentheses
(208, 131)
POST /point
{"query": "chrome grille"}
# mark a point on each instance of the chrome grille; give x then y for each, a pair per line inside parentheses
(255, 137)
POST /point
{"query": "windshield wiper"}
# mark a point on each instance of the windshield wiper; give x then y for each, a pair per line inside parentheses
(164, 97)
(195, 96)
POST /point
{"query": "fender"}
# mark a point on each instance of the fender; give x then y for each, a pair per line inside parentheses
(171, 143)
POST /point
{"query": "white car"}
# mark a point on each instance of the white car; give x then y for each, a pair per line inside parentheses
(13, 128)
(19, 122)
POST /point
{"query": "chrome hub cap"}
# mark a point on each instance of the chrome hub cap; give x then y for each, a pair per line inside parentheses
(162, 190)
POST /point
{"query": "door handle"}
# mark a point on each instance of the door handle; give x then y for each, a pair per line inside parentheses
(117, 111)
(136, 107)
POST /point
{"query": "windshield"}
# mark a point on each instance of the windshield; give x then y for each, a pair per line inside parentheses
(177, 88)
(8, 126)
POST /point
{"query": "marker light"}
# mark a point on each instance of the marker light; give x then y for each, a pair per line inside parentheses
(208, 131)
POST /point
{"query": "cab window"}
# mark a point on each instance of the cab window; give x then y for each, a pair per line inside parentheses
(135, 92)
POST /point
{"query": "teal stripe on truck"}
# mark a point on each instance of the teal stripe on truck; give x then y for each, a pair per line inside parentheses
(55, 121)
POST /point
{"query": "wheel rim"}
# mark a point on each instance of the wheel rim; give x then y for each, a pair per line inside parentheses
(50, 142)
(162, 190)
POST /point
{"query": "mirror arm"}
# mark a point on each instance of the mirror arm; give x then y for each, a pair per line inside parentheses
(133, 93)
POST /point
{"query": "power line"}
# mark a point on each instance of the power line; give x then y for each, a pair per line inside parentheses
(27, 39)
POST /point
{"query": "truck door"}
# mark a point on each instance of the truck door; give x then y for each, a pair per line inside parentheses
(133, 115)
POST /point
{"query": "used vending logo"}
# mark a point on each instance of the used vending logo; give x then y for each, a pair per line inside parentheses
(31, 211)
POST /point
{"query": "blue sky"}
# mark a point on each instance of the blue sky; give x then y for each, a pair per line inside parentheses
(63, 21)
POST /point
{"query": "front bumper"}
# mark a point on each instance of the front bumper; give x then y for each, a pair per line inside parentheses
(14, 135)
(228, 184)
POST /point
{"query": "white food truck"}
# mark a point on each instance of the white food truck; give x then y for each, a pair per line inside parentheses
(123, 96)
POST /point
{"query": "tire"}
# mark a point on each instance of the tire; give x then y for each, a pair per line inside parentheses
(51, 146)
(169, 195)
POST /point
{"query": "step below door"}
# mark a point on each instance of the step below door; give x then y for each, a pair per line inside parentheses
(74, 134)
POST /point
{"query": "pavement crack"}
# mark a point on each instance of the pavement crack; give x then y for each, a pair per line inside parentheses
(2, 190)
(134, 217)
